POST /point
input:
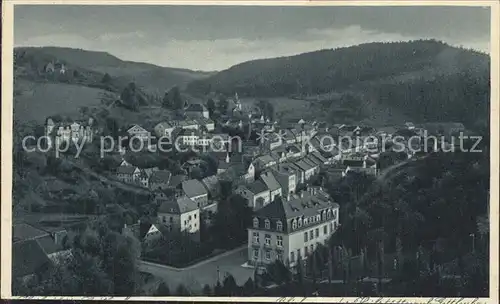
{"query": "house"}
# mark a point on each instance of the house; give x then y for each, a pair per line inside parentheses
(138, 132)
(409, 125)
(180, 215)
(143, 179)
(60, 132)
(257, 194)
(287, 136)
(319, 157)
(290, 231)
(267, 177)
(287, 178)
(187, 137)
(128, 174)
(155, 232)
(309, 170)
(176, 181)
(159, 180)
(206, 123)
(212, 184)
(164, 129)
(313, 161)
(195, 190)
(197, 110)
(49, 67)
(264, 161)
(367, 166)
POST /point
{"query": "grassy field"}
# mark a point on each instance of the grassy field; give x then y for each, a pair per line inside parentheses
(37, 101)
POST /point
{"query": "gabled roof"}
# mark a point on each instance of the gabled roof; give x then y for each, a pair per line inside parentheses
(160, 177)
(303, 165)
(353, 163)
(313, 160)
(257, 187)
(268, 178)
(264, 159)
(48, 245)
(28, 258)
(194, 188)
(126, 170)
(212, 184)
(136, 128)
(320, 157)
(177, 205)
(176, 180)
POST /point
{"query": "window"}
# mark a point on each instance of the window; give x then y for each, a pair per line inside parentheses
(312, 248)
(256, 237)
(279, 240)
(325, 229)
(311, 234)
(267, 223)
(323, 215)
(195, 216)
(189, 218)
(268, 255)
(292, 256)
(305, 222)
(279, 256)
(255, 254)
(256, 223)
(335, 214)
(268, 239)
(300, 222)
(298, 253)
(318, 218)
(317, 232)
(294, 224)
(305, 250)
(331, 227)
(164, 219)
(328, 213)
(171, 219)
(279, 226)
(305, 236)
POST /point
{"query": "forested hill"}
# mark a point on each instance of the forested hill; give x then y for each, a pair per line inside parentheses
(427, 79)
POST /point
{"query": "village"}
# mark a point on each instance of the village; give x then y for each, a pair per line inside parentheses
(276, 168)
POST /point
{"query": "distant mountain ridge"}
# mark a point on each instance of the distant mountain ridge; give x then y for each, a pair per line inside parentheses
(153, 78)
(412, 71)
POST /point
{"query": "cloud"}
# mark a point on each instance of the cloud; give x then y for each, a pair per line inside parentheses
(222, 53)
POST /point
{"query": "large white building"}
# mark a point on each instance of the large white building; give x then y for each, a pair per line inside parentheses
(180, 215)
(291, 230)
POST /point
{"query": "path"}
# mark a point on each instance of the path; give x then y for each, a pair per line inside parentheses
(196, 276)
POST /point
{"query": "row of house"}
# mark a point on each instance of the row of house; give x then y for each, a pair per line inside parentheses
(281, 179)
(59, 132)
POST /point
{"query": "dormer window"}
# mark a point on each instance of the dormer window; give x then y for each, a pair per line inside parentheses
(306, 222)
(267, 224)
(329, 213)
(318, 218)
(255, 223)
(294, 224)
(300, 222)
(323, 214)
(279, 226)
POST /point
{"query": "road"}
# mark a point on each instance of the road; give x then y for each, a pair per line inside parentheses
(196, 276)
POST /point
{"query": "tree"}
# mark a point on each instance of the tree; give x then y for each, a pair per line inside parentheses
(207, 291)
(223, 105)
(166, 101)
(106, 79)
(182, 291)
(229, 286)
(211, 107)
(162, 290)
(129, 97)
(175, 99)
(270, 111)
(248, 287)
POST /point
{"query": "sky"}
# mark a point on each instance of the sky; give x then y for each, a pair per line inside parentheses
(213, 38)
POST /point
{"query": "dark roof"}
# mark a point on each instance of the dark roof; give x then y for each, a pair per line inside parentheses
(318, 156)
(212, 184)
(268, 178)
(257, 187)
(177, 205)
(160, 176)
(176, 180)
(126, 169)
(311, 161)
(308, 205)
(193, 188)
(303, 165)
(196, 107)
(23, 231)
(353, 163)
(28, 258)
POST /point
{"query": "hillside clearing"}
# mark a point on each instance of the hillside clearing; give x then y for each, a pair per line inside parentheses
(37, 101)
